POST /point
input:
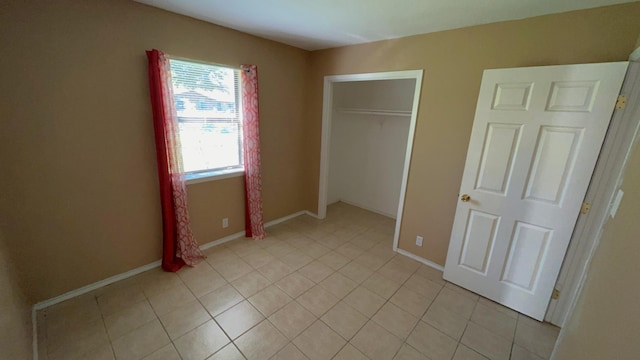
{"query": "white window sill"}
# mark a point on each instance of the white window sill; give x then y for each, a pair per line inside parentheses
(213, 175)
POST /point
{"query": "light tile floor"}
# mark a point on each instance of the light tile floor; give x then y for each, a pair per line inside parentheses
(331, 289)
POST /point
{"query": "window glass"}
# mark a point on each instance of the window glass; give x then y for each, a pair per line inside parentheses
(207, 102)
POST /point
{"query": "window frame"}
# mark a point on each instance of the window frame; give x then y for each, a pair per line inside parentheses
(198, 176)
(194, 178)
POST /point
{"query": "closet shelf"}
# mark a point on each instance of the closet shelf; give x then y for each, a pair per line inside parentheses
(375, 112)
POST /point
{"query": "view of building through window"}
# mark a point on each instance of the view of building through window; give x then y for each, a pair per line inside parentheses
(207, 101)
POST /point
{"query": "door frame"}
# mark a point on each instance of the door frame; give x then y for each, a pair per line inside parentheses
(621, 137)
(327, 114)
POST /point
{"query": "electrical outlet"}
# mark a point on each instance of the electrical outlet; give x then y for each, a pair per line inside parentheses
(225, 222)
(419, 240)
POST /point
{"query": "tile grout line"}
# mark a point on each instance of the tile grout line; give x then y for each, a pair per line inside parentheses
(233, 341)
(104, 324)
(420, 317)
(212, 318)
(513, 343)
(466, 325)
(296, 271)
(348, 341)
(162, 324)
(319, 318)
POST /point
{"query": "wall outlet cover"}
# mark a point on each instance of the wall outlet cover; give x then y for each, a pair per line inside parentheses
(419, 240)
(225, 222)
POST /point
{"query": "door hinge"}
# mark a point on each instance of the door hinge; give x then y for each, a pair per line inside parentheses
(585, 208)
(555, 294)
(621, 103)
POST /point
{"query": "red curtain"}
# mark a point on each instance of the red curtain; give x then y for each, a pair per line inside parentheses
(179, 246)
(254, 226)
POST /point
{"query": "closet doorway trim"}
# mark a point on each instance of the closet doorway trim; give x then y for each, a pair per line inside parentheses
(327, 112)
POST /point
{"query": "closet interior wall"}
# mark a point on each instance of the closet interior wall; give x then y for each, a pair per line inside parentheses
(369, 134)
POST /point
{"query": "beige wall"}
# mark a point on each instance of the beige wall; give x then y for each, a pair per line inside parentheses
(15, 321)
(79, 187)
(209, 204)
(605, 322)
(453, 62)
(80, 196)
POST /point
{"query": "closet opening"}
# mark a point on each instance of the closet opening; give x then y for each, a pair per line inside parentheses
(368, 126)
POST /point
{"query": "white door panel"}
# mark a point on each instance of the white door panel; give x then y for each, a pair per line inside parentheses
(535, 140)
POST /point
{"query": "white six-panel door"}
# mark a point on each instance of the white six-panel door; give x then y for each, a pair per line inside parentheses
(535, 141)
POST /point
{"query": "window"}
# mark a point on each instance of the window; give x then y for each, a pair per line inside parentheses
(207, 101)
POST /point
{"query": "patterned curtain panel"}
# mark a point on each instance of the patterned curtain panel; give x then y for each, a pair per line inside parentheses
(179, 245)
(254, 226)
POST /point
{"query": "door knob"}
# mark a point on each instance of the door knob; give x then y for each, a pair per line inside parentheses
(465, 198)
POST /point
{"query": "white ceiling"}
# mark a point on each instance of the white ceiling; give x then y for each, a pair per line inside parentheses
(321, 24)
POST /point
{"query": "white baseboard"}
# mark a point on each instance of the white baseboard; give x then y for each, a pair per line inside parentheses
(635, 55)
(88, 288)
(222, 240)
(241, 233)
(96, 285)
(34, 332)
(420, 259)
(85, 289)
(91, 287)
(393, 216)
(315, 216)
(285, 218)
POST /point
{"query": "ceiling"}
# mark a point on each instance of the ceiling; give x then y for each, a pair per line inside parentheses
(321, 24)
